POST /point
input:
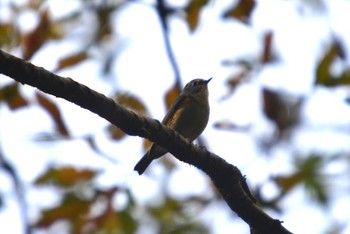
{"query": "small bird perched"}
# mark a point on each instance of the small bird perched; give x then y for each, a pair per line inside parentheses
(188, 116)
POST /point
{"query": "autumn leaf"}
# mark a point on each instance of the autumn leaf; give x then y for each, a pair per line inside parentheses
(172, 94)
(54, 112)
(11, 96)
(131, 102)
(71, 60)
(281, 109)
(241, 11)
(193, 10)
(307, 173)
(71, 209)
(65, 176)
(267, 54)
(9, 35)
(36, 38)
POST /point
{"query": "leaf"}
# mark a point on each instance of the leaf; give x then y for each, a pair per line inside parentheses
(267, 53)
(11, 95)
(65, 176)
(281, 109)
(173, 218)
(91, 141)
(323, 75)
(231, 126)
(54, 112)
(71, 60)
(132, 103)
(193, 10)
(309, 173)
(36, 38)
(172, 94)
(115, 133)
(104, 12)
(235, 80)
(9, 35)
(71, 209)
(147, 144)
(241, 11)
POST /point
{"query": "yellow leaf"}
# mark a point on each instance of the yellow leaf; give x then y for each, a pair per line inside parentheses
(171, 95)
(65, 176)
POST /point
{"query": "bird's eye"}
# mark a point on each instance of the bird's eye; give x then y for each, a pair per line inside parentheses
(196, 83)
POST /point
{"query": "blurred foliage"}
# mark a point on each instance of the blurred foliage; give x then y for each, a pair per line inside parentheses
(241, 11)
(77, 189)
(130, 102)
(83, 206)
(308, 172)
(11, 95)
(52, 109)
(324, 75)
(193, 10)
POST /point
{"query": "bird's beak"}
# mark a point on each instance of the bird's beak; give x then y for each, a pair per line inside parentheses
(208, 80)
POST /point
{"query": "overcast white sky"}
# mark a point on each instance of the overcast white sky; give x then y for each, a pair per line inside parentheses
(143, 68)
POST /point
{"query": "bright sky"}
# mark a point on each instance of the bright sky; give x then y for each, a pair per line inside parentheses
(143, 69)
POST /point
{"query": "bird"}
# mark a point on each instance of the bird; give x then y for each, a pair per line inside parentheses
(188, 116)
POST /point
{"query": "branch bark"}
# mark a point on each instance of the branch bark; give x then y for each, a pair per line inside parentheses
(226, 177)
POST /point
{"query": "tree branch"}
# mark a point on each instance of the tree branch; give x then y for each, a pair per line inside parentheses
(226, 177)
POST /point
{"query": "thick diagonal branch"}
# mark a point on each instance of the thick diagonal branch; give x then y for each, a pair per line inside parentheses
(226, 177)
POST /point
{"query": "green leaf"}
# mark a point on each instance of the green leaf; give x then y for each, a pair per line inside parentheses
(71, 209)
(323, 74)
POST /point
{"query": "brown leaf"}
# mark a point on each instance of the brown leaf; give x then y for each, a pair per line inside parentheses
(11, 95)
(65, 176)
(193, 10)
(236, 79)
(280, 109)
(36, 38)
(131, 102)
(267, 53)
(171, 95)
(54, 112)
(241, 11)
(115, 133)
(71, 60)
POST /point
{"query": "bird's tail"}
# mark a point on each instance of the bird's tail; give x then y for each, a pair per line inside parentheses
(142, 165)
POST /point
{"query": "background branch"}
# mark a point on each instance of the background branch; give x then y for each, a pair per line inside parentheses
(163, 11)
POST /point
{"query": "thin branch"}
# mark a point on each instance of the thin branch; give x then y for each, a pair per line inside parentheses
(163, 12)
(226, 177)
(20, 192)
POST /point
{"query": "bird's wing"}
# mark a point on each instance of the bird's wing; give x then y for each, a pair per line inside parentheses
(175, 109)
